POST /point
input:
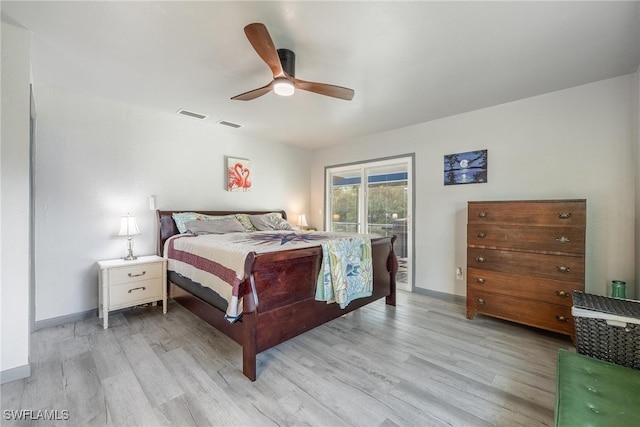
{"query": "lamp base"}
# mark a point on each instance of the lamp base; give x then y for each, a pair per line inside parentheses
(130, 256)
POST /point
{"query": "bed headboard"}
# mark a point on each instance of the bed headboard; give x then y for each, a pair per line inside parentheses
(167, 226)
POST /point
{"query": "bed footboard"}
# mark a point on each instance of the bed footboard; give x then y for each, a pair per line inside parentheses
(284, 295)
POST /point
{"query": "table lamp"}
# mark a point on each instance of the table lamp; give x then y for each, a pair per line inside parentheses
(302, 222)
(129, 228)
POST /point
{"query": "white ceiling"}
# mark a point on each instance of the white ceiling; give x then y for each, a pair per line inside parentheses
(408, 62)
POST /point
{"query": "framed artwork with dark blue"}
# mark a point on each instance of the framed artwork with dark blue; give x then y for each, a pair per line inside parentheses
(465, 168)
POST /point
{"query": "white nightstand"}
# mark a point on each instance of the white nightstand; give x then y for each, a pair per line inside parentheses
(125, 284)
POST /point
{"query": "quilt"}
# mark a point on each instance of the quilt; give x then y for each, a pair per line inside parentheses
(346, 272)
(217, 261)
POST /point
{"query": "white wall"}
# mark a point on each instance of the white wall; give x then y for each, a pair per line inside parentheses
(14, 203)
(99, 159)
(637, 180)
(575, 143)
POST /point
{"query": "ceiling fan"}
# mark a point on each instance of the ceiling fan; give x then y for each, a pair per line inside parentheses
(282, 63)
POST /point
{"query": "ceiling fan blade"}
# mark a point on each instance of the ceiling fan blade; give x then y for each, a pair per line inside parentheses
(261, 41)
(253, 94)
(325, 89)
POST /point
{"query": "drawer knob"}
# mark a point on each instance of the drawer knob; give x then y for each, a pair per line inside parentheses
(563, 239)
(564, 215)
(481, 280)
(135, 289)
(562, 293)
(562, 319)
(563, 268)
(481, 234)
(480, 259)
(480, 301)
(137, 275)
(482, 214)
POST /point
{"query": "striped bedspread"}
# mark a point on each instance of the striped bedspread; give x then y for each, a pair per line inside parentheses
(217, 261)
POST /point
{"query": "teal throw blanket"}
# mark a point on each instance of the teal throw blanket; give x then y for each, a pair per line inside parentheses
(346, 272)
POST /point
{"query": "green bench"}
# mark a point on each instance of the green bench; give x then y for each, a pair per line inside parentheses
(592, 392)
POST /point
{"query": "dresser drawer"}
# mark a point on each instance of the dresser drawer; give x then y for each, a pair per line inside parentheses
(527, 287)
(563, 213)
(133, 293)
(558, 267)
(134, 273)
(552, 317)
(540, 239)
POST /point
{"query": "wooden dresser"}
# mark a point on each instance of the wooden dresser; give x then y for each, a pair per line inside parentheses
(523, 260)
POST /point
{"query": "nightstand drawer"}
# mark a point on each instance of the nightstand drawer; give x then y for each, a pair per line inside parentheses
(132, 292)
(135, 273)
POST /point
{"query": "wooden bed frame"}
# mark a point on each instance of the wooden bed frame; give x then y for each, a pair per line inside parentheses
(280, 303)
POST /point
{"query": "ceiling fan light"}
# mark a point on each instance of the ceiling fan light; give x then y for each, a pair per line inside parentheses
(283, 87)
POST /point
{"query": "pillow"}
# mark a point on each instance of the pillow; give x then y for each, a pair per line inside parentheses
(270, 221)
(217, 226)
(182, 218)
(246, 222)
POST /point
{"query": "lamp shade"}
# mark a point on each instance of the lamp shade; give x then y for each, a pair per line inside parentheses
(128, 226)
(302, 221)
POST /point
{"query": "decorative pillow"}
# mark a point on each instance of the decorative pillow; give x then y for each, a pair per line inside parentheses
(246, 222)
(218, 226)
(182, 218)
(277, 217)
(270, 221)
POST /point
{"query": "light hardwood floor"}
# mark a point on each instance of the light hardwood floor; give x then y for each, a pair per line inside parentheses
(421, 363)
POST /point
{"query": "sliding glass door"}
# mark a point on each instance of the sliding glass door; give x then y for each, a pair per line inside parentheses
(374, 198)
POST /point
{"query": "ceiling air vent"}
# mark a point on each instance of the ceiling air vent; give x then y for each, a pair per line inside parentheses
(231, 125)
(192, 114)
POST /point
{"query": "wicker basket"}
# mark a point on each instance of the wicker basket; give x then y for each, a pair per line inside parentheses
(607, 328)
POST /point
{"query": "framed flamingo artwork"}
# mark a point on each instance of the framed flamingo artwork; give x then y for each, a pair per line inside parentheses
(238, 174)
